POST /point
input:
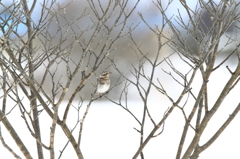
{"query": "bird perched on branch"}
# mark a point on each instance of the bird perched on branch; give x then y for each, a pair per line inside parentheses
(103, 83)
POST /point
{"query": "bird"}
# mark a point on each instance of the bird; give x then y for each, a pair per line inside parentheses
(103, 83)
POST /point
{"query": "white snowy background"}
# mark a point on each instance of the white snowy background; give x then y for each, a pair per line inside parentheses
(108, 130)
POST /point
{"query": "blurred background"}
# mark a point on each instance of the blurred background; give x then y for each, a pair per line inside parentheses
(124, 54)
(107, 124)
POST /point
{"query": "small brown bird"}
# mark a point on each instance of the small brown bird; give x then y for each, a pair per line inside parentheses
(103, 83)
